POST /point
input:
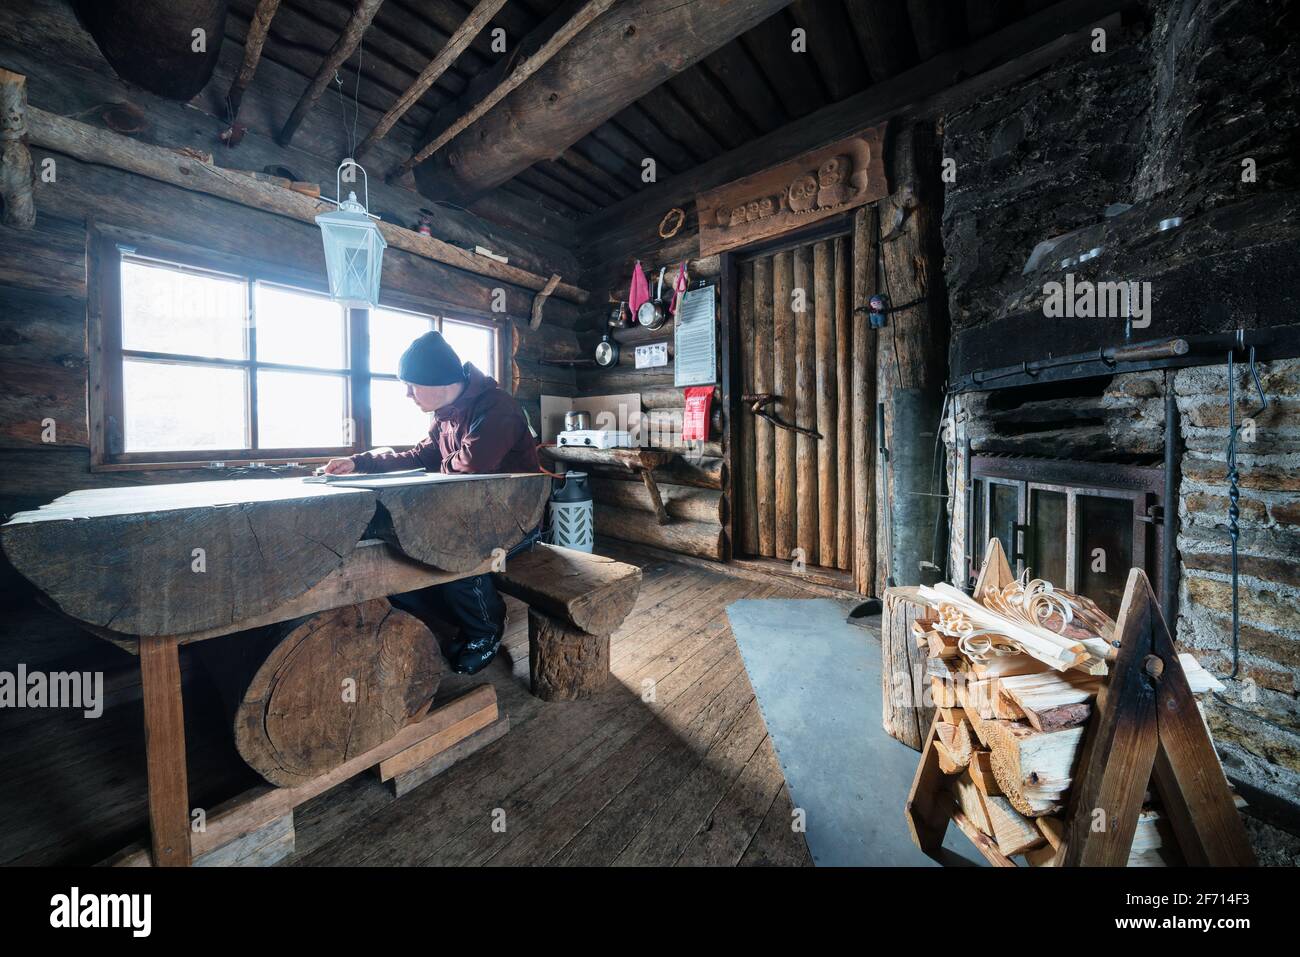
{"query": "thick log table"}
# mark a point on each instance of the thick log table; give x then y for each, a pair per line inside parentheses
(154, 567)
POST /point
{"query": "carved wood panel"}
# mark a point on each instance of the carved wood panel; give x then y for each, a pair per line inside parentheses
(795, 194)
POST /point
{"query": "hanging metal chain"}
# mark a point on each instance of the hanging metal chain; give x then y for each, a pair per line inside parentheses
(1234, 490)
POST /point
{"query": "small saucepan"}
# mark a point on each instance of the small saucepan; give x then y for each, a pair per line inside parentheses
(654, 313)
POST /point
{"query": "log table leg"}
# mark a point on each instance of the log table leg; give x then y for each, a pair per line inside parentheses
(565, 663)
(164, 742)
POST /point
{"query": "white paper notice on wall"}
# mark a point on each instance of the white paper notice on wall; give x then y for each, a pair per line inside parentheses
(651, 356)
(695, 339)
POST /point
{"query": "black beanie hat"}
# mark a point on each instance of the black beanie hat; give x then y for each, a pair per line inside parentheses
(430, 361)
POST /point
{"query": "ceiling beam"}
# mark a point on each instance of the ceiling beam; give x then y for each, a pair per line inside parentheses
(465, 33)
(631, 50)
(347, 42)
(253, 43)
(589, 12)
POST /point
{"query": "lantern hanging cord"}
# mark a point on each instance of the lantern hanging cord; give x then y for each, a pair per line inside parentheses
(350, 133)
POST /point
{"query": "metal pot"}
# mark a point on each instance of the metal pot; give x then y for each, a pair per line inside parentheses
(577, 421)
(654, 313)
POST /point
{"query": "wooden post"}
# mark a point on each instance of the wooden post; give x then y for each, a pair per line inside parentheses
(764, 451)
(16, 175)
(807, 531)
(164, 748)
(863, 402)
(746, 491)
(827, 419)
(784, 386)
(843, 405)
(565, 663)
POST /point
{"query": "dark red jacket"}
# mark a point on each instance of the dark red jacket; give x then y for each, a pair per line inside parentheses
(482, 432)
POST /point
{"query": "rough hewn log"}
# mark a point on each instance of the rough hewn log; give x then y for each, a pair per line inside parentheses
(530, 66)
(843, 405)
(306, 696)
(565, 664)
(783, 385)
(704, 540)
(863, 402)
(153, 42)
(764, 448)
(746, 482)
(172, 559)
(629, 51)
(680, 501)
(92, 145)
(478, 18)
(807, 529)
(347, 42)
(468, 518)
(827, 421)
(253, 43)
(592, 593)
(907, 712)
(667, 397)
(16, 171)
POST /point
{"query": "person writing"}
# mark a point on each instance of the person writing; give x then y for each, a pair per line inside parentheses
(476, 428)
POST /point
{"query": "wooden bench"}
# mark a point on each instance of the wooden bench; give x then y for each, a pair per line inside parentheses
(575, 601)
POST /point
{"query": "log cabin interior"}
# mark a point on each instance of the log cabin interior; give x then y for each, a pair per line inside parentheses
(915, 387)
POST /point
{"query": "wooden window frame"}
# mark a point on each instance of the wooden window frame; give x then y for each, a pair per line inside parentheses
(107, 245)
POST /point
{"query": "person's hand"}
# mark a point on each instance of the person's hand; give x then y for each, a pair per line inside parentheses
(340, 467)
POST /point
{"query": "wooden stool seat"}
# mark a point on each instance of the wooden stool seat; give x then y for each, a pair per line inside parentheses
(576, 600)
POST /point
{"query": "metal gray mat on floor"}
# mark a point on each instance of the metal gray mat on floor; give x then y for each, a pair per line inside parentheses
(817, 679)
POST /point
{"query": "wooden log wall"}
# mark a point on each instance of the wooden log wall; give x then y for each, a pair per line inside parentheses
(695, 488)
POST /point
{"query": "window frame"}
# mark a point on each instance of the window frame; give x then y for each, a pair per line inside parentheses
(105, 374)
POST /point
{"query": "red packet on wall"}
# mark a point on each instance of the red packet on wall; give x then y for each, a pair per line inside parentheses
(695, 421)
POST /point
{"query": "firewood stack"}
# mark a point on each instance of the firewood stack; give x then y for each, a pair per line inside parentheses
(1014, 677)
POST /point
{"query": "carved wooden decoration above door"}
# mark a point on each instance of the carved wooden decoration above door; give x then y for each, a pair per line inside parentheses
(795, 194)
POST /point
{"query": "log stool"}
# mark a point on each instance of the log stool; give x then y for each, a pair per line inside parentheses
(575, 600)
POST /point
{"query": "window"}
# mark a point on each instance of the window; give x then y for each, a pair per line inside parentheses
(216, 361)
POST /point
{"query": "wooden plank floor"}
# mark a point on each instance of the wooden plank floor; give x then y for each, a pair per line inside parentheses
(672, 765)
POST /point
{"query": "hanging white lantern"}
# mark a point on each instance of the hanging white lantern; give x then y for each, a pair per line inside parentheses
(354, 246)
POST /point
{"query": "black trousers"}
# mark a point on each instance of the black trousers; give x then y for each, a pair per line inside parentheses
(472, 604)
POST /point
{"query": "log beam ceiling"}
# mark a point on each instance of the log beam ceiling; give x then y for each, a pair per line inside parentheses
(460, 39)
(638, 46)
(343, 48)
(589, 12)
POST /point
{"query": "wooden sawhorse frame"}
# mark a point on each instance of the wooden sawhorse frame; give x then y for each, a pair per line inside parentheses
(1145, 721)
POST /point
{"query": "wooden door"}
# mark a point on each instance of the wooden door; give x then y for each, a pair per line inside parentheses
(794, 492)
